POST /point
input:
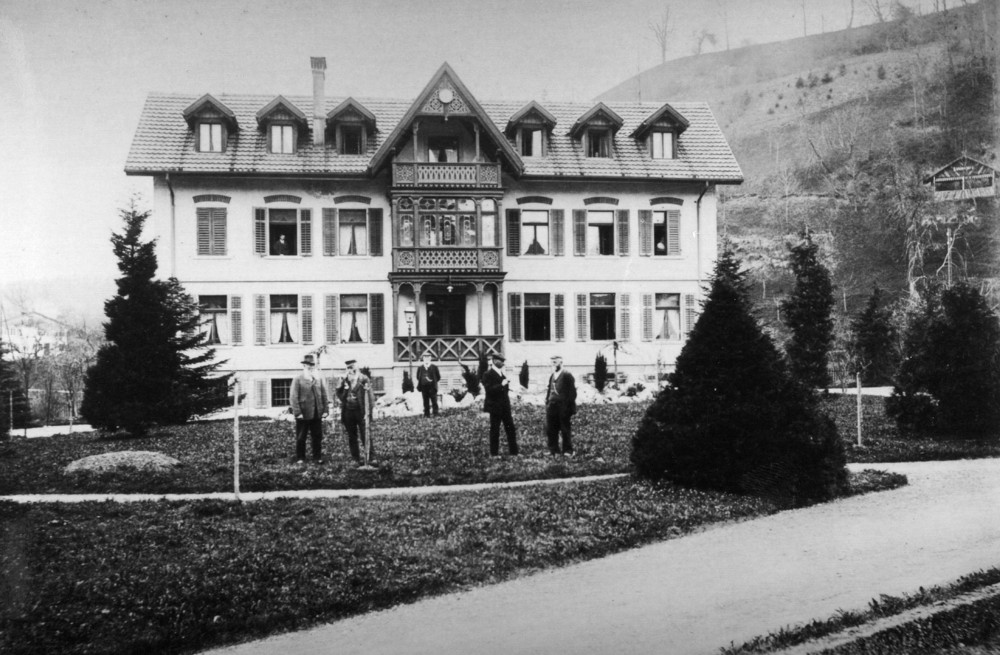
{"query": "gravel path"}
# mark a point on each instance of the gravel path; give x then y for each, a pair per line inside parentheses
(698, 593)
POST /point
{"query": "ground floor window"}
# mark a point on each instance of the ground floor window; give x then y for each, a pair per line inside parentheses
(281, 392)
(537, 317)
(284, 319)
(667, 317)
(602, 316)
(214, 320)
(354, 318)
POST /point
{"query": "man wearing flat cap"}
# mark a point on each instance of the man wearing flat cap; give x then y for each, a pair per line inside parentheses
(428, 377)
(356, 401)
(310, 405)
(497, 404)
(560, 405)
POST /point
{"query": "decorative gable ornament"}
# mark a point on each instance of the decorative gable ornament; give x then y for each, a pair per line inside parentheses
(664, 117)
(600, 115)
(351, 111)
(446, 100)
(531, 115)
(281, 109)
(207, 107)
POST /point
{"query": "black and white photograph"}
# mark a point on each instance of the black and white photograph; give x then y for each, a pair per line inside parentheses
(555, 327)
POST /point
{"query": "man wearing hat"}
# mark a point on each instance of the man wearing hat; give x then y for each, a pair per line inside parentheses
(356, 402)
(560, 405)
(428, 377)
(497, 404)
(310, 405)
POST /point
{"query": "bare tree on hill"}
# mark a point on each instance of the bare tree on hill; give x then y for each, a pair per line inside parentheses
(879, 9)
(662, 30)
(701, 37)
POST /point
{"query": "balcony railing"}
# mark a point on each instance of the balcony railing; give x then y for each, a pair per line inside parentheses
(432, 174)
(446, 349)
(445, 258)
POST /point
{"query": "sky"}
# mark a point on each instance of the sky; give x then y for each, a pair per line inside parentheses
(74, 76)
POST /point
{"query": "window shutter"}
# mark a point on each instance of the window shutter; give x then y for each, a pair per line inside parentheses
(306, 302)
(513, 232)
(580, 232)
(204, 230)
(329, 231)
(219, 231)
(673, 232)
(306, 234)
(260, 320)
(558, 217)
(330, 319)
(260, 231)
(260, 393)
(647, 317)
(514, 303)
(645, 232)
(690, 313)
(625, 317)
(581, 317)
(236, 318)
(623, 231)
(560, 320)
(377, 304)
(375, 232)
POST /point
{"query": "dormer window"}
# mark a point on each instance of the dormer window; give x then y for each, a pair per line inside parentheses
(211, 137)
(661, 145)
(282, 139)
(528, 128)
(598, 143)
(351, 139)
(532, 142)
(351, 125)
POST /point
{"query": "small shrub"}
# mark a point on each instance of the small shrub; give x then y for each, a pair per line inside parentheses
(457, 394)
(799, 83)
(523, 375)
(770, 110)
(635, 389)
(842, 71)
(600, 372)
(880, 72)
(827, 78)
(407, 382)
(472, 381)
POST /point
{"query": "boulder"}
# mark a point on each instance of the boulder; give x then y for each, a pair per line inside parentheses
(141, 460)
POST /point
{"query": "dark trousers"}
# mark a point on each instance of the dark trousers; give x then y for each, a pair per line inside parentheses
(354, 424)
(314, 428)
(496, 418)
(558, 420)
(430, 401)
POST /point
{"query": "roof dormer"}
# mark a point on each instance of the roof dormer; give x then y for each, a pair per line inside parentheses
(660, 131)
(530, 127)
(596, 130)
(352, 125)
(284, 123)
(212, 123)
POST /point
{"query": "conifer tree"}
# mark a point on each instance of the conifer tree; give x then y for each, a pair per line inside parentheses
(153, 370)
(524, 376)
(807, 313)
(12, 398)
(600, 372)
(873, 342)
(731, 417)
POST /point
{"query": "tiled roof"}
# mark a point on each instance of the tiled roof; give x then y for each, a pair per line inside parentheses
(164, 143)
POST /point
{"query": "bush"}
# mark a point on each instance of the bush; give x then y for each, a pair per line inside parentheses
(827, 78)
(407, 382)
(635, 389)
(472, 381)
(732, 417)
(807, 313)
(523, 375)
(880, 72)
(872, 342)
(457, 394)
(600, 372)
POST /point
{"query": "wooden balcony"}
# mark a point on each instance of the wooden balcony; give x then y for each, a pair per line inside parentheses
(446, 348)
(452, 176)
(445, 259)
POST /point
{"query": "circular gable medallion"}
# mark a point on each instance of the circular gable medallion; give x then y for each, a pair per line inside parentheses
(445, 96)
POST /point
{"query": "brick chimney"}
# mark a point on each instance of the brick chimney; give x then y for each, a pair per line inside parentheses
(319, 116)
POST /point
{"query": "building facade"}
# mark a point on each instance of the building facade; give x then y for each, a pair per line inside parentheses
(382, 229)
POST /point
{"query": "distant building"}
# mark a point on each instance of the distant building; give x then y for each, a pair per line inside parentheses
(34, 334)
(963, 179)
(386, 228)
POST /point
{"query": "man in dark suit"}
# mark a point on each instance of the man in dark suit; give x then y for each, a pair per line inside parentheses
(356, 402)
(560, 405)
(497, 404)
(428, 377)
(310, 405)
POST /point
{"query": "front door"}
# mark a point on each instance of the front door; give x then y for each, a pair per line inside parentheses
(446, 314)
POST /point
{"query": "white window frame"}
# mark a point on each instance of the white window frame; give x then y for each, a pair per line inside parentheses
(216, 133)
(592, 246)
(282, 138)
(366, 338)
(275, 339)
(597, 135)
(661, 145)
(614, 315)
(362, 243)
(533, 139)
(666, 309)
(223, 332)
(272, 388)
(535, 218)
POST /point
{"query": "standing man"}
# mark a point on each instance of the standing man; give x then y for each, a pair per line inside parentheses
(560, 405)
(310, 405)
(497, 404)
(356, 402)
(428, 377)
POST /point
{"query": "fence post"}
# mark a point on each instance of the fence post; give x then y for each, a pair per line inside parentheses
(236, 439)
(858, 377)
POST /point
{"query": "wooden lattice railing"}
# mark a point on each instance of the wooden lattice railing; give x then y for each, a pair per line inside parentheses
(430, 174)
(447, 349)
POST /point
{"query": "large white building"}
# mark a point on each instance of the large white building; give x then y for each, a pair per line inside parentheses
(385, 228)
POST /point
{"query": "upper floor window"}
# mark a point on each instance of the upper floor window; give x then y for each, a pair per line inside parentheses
(661, 145)
(600, 233)
(666, 233)
(668, 316)
(442, 149)
(443, 221)
(532, 142)
(353, 237)
(211, 137)
(602, 316)
(352, 139)
(211, 230)
(282, 232)
(284, 319)
(354, 318)
(214, 319)
(599, 143)
(282, 138)
(534, 232)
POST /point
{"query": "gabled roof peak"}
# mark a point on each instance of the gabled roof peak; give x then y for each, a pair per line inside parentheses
(350, 104)
(665, 114)
(598, 114)
(209, 103)
(532, 107)
(280, 102)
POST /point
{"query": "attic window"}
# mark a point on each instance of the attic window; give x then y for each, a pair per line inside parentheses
(661, 145)
(532, 142)
(599, 143)
(211, 136)
(351, 139)
(442, 149)
(282, 138)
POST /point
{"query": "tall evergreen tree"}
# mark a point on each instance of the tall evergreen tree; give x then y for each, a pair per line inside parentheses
(808, 314)
(873, 342)
(153, 370)
(12, 398)
(731, 416)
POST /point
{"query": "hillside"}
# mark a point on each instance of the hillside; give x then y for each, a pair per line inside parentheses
(835, 132)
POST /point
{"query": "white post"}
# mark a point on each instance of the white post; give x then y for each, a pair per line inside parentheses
(858, 375)
(236, 439)
(12, 413)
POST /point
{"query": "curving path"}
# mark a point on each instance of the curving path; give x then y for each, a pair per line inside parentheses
(700, 592)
